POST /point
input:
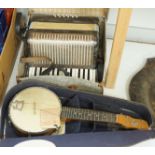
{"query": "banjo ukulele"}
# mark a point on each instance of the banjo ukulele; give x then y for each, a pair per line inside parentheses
(37, 110)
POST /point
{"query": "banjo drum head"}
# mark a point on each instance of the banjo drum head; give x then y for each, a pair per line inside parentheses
(35, 110)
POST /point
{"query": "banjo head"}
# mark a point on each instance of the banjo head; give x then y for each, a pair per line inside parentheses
(35, 110)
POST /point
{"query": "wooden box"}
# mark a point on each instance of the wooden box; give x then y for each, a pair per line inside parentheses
(7, 56)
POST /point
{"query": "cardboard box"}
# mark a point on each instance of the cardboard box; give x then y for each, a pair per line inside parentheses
(7, 56)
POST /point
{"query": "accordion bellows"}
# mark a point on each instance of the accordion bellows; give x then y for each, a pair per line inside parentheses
(64, 49)
(66, 44)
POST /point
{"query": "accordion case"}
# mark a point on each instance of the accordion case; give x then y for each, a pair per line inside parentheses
(66, 45)
(62, 66)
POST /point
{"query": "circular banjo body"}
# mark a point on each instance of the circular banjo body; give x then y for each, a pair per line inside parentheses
(35, 110)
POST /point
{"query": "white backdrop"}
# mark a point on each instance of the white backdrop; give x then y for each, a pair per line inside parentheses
(142, 25)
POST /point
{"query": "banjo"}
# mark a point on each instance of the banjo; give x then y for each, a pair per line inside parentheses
(38, 110)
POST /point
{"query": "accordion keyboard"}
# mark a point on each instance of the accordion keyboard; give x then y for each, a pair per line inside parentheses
(87, 74)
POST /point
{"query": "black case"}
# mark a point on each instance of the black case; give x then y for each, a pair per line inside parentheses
(80, 133)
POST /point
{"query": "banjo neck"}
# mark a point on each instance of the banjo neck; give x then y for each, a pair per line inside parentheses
(87, 115)
(102, 116)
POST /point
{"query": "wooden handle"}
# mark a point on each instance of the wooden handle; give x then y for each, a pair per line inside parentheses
(131, 123)
(121, 30)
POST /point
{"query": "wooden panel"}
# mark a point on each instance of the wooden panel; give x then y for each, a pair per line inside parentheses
(8, 55)
(64, 26)
(1, 84)
(90, 12)
(118, 45)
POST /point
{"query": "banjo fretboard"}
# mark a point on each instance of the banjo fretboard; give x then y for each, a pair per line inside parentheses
(87, 115)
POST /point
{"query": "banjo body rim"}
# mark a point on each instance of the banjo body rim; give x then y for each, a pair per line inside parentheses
(28, 132)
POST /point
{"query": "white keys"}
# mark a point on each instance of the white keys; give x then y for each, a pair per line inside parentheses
(86, 74)
(55, 71)
(92, 75)
(68, 70)
(38, 71)
(35, 71)
(43, 69)
(75, 73)
(52, 72)
(31, 71)
(81, 73)
(61, 73)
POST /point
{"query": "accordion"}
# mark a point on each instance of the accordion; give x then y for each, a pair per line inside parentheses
(66, 45)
